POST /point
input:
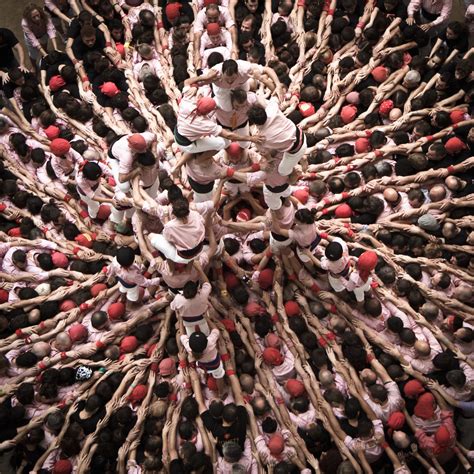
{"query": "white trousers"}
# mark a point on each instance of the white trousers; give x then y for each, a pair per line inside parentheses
(206, 144)
(191, 327)
(92, 206)
(132, 293)
(290, 160)
(273, 200)
(166, 248)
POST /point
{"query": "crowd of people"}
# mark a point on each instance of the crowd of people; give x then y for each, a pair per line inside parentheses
(236, 237)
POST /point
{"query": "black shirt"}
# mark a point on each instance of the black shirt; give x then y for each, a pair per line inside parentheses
(7, 42)
(80, 49)
(88, 424)
(75, 26)
(236, 432)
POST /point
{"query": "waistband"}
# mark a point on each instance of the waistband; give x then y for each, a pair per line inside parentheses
(279, 237)
(277, 189)
(211, 365)
(298, 142)
(192, 319)
(201, 188)
(191, 253)
(112, 143)
(344, 272)
(180, 139)
(126, 284)
(242, 125)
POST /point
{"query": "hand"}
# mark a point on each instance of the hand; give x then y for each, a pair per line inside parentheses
(259, 139)
(410, 21)
(4, 77)
(86, 86)
(426, 26)
(23, 68)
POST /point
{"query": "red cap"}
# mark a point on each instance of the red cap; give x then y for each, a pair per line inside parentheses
(213, 29)
(209, 2)
(348, 113)
(173, 11)
(167, 366)
(97, 288)
(265, 279)
(60, 146)
(211, 384)
(272, 356)
(302, 195)
(456, 116)
(367, 261)
(63, 466)
(413, 389)
(56, 82)
(150, 351)
(443, 437)
(138, 393)
(3, 295)
(52, 132)
(205, 105)
(386, 106)
(137, 142)
(103, 212)
(425, 406)
(306, 109)
(343, 211)
(455, 145)
(67, 305)
(109, 89)
(272, 340)
(231, 281)
(253, 309)
(59, 260)
(121, 49)
(292, 308)
(234, 150)
(380, 73)
(116, 310)
(243, 215)
(276, 444)
(15, 232)
(228, 324)
(129, 344)
(396, 420)
(295, 387)
(362, 145)
(78, 332)
(85, 240)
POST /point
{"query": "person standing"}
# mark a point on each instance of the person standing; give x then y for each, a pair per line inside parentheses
(38, 29)
(9, 45)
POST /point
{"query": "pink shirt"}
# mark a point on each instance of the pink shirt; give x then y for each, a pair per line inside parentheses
(339, 265)
(185, 234)
(225, 40)
(302, 420)
(210, 353)
(267, 456)
(237, 117)
(372, 449)
(194, 306)
(123, 153)
(286, 370)
(64, 167)
(436, 7)
(203, 171)
(428, 443)
(177, 279)
(394, 403)
(190, 124)
(32, 37)
(200, 23)
(279, 131)
(303, 234)
(131, 275)
(285, 215)
(244, 74)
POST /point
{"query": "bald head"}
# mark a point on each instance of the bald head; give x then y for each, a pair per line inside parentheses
(34, 316)
(463, 293)
(449, 230)
(430, 311)
(247, 382)
(41, 349)
(437, 193)
(112, 352)
(401, 439)
(422, 348)
(63, 341)
(391, 195)
(453, 183)
(326, 378)
(368, 376)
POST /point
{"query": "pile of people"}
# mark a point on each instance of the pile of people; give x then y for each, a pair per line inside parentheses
(236, 237)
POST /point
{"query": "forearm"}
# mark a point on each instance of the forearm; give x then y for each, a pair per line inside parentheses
(20, 54)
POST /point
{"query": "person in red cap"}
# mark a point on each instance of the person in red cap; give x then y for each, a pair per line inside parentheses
(276, 448)
(214, 40)
(191, 306)
(380, 73)
(63, 162)
(281, 362)
(197, 131)
(56, 83)
(360, 279)
(62, 466)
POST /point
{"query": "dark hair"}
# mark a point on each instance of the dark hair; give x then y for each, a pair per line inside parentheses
(257, 115)
(125, 256)
(230, 67)
(180, 208)
(230, 413)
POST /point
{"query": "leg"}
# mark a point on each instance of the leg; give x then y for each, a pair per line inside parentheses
(167, 249)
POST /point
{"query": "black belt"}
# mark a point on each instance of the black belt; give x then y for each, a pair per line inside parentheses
(235, 128)
(298, 142)
(234, 181)
(49, 171)
(180, 139)
(279, 237)
(277, 189)
(200, 187)
(193, 319)
(191, 252)
(430, 16)
(112, 143)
